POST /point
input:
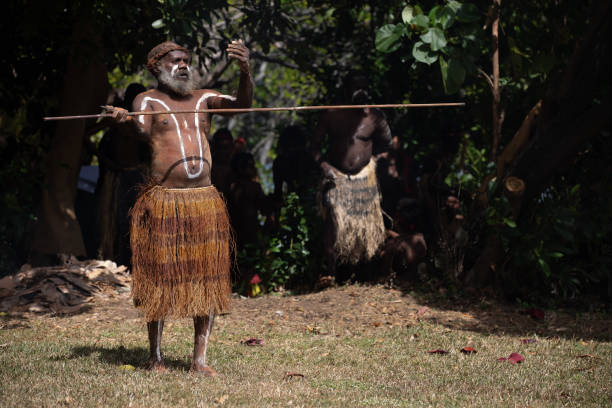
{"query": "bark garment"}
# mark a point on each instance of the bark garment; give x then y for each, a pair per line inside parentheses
(181, 243)
(353, 203)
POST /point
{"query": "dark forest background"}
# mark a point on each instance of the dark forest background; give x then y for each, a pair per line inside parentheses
(535, 76)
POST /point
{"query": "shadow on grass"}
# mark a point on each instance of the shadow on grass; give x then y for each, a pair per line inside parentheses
(491, 315)
(135, 356)
(482, 311)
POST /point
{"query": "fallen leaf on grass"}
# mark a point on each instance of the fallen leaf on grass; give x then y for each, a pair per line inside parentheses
(513, 358)
(438, 351)
(587, 356)
(221, 400)
(253, 342)
(468, 350)
(289, 375)
(528, 341)
(315, 330)
(127, 367)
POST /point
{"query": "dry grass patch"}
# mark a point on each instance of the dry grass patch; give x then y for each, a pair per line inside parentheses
(50, 361)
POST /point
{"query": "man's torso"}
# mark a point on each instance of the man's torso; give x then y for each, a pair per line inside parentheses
(180, 151)
(351, 136)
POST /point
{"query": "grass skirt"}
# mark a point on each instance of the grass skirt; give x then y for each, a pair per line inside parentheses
(181, 243)
(354, 208)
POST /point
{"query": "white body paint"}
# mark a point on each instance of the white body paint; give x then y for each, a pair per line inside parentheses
(205, 96)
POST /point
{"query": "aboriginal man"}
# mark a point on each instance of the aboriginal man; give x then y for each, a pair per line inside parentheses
(354, 228)
(180, 232)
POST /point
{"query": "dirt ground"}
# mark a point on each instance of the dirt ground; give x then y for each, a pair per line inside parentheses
(362, 308)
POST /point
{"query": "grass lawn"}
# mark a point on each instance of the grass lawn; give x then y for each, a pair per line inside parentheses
(354, 346)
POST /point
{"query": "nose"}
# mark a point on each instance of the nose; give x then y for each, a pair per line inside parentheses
(183, 64)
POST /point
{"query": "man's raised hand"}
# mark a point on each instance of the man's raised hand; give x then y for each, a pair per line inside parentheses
(238, 51)
(119, 115)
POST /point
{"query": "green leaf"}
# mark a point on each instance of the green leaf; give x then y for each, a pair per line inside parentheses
(420, 21)
(453, 75)
(544, 266)
(388, 37)
(447, 17)
(422, 53)
(510, 222)
(157, 24)
(407, 14)
(433, 15)
(453, 5)
(435, 37)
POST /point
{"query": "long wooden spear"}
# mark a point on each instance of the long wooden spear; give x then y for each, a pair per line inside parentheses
(283, 108)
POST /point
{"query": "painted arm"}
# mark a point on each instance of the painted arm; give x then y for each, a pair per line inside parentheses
(244, 97)
(141, 123)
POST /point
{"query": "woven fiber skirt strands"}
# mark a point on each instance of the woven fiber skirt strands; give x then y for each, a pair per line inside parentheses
(181, 243)
(354, 208)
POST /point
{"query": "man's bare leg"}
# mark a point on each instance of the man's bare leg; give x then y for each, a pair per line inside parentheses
(202, 327)
(155, 362)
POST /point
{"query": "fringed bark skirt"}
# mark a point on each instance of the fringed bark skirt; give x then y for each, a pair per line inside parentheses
(354, 208)
(181, 244)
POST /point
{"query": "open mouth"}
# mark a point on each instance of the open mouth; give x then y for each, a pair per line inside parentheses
(182, 75)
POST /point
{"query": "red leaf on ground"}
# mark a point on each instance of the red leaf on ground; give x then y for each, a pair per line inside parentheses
(468, 350)
(513, 358)
(253, 342)
(438, 351)
(516, 358)
(537, 314)
(528, 341)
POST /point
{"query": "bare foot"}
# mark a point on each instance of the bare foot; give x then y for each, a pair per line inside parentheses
(156, 366)
(203, 370)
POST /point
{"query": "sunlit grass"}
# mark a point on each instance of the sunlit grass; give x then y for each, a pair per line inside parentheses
(52, 362)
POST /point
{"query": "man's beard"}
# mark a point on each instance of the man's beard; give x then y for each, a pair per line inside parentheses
(178, 86)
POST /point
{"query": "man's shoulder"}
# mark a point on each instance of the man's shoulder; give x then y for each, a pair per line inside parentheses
(205, 92)
(151, 93)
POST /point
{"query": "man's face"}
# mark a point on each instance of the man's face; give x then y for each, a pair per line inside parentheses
(176, 63)
(175, 74)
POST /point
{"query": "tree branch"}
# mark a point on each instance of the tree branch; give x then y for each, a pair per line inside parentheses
(261, 57)
(486, 76)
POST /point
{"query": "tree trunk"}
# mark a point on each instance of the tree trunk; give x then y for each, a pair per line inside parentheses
(85, 89)
(576, 108)
(497, 119)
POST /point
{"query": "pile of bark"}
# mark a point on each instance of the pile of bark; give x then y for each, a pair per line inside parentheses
(65, 289)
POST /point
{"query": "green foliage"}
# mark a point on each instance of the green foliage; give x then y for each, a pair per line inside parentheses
(446, 34)
(470, 167)
(286, 259)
